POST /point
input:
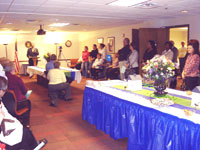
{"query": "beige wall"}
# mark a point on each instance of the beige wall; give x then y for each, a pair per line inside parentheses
(79, 40)
(89, 38)
(43, 43)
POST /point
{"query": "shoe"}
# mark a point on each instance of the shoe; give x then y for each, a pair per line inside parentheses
(68, 99)
(52, 105)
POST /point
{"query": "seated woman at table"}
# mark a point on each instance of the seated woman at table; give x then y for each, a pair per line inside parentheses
(50, 65)
(191, 68)
(16, 84)
(112, 72)
(96, 67)
(132, 64)
(57, 84)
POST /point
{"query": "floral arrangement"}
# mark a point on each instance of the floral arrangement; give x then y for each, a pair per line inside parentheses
(47, 57)
(159, 68)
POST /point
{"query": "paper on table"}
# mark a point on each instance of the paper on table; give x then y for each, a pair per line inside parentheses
(195, 99)
(28, 93)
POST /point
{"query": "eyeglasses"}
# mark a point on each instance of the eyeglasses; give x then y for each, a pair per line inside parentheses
(4, 90)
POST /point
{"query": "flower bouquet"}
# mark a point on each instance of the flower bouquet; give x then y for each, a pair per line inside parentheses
(159, 69)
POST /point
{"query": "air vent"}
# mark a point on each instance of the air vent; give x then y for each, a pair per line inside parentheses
(148, 5)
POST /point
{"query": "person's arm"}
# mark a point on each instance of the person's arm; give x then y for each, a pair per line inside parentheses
(22, 86)
(49, 75)
(27, 53)
(63, 76)
(193, 63)
(133, 59)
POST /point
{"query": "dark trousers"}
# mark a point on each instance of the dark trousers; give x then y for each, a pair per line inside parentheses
(25, 118)
(94, 72)
(31, 63)
(55, 90)
(28, 141)
(182, 64)
(191, 82)
(112, 73)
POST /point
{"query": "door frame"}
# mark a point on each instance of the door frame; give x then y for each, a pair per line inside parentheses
(179, 26)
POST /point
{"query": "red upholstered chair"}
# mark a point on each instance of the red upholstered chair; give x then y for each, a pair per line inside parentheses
(10, 102)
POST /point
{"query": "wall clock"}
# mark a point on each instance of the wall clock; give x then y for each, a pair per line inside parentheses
(68, 43)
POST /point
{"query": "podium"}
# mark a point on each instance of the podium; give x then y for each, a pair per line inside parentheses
(34, 60)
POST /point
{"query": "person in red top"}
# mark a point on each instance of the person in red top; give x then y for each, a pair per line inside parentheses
(191, 68)
(16, 84)
(85, 64)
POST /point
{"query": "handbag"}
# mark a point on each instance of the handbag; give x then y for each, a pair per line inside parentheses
(129, 71)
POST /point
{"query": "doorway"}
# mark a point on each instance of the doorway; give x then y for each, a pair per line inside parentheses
(179, 34)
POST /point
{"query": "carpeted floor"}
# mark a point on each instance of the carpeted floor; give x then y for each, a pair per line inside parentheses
(63, 126)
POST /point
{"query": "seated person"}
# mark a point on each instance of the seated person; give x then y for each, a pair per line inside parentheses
(78, 64)
(112, 72)
(57, 83)
(12, 133)
(96, 67)
(17, 85)
(50, 65)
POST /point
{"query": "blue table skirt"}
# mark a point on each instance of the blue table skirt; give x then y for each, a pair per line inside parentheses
(146, 128)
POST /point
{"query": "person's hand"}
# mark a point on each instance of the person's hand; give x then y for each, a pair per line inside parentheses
(183, 75)
(126, 65)
(2, 115)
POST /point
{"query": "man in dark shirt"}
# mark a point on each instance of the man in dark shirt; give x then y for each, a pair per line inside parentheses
(93, 55)
(175, 51)
(123, 56)
(32, 52)
(94, 52)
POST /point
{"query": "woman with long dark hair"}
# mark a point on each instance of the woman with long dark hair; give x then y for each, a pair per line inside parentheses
(191, 68)
(151, 51)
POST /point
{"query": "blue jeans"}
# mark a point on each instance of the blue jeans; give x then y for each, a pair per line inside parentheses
(85, 67)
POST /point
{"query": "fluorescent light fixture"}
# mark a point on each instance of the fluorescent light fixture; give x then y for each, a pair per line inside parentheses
(184, 11)
(59, 24)
(127, 2)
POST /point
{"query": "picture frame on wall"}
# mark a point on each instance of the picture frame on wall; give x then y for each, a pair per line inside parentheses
(100, 40)
(111, 44)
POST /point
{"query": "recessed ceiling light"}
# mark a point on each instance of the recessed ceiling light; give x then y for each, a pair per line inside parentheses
(128, 2)
(9, 23)
(59, 24)
(184, 11)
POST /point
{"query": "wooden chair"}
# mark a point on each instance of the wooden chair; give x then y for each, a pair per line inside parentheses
(10, 102)
(73, 63)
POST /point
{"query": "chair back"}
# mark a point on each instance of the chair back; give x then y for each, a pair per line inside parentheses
(10, 102)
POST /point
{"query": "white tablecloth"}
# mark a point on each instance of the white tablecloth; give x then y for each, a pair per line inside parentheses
(31, 70)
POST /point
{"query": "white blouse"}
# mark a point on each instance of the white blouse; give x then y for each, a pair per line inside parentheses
(15, 136)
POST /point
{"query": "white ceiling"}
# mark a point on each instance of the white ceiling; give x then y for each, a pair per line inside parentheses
(88, 14)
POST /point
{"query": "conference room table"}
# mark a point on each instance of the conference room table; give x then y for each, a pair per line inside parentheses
(69, 72)
(124, 114)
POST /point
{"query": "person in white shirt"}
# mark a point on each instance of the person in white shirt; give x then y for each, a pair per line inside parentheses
(103, 51)
(132, 66)
(96, 67)
(12, 133)
(168, 53)
(57, 84)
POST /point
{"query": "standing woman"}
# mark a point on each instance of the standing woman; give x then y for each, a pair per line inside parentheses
(191, 68)
(85, 64)
(32, 52)
(151, 51)
(132, 64)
